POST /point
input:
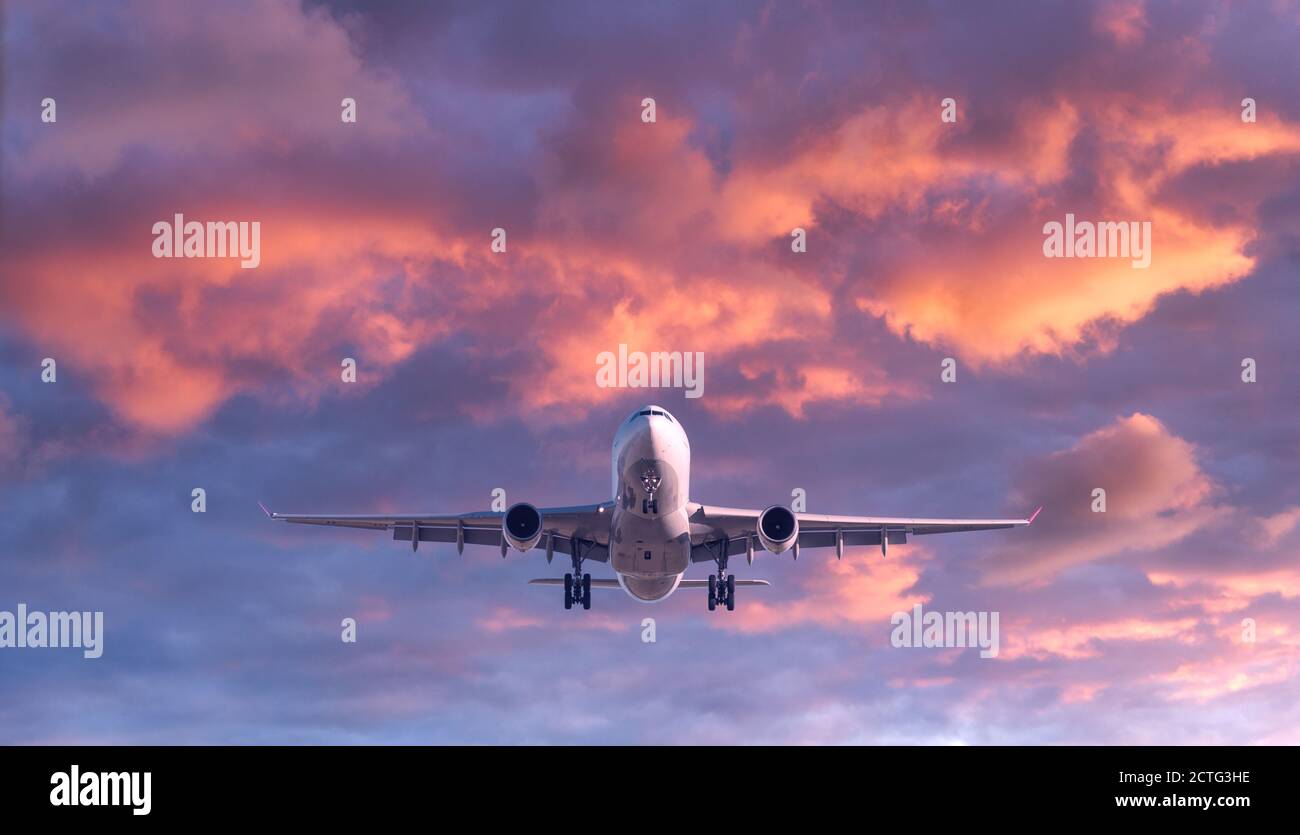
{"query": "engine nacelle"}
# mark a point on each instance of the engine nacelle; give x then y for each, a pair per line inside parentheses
(778, 528)
(522, 526)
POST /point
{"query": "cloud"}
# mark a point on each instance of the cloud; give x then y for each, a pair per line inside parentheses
(13, 438)
(664, 236)
(847, 593)
(202, 85)
(1155, 495)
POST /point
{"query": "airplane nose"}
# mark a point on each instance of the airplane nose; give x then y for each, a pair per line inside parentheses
(660, 436)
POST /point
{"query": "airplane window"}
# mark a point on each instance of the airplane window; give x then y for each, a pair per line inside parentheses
(644, 412)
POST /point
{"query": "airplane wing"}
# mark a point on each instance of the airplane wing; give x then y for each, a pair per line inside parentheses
(736, 530)
(585, 527)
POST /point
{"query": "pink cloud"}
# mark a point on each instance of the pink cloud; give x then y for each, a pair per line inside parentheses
(1155, 495)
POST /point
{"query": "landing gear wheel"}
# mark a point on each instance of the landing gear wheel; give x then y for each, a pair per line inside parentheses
(722, 586)
(586, 591)
(568, 591)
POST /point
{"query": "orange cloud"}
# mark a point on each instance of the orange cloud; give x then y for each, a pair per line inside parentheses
(995, 296)
(630, 234)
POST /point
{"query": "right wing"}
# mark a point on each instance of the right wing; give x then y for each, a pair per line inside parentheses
(585, 527)
(734, 529)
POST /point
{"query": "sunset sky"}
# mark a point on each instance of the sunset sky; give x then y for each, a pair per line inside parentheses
(476, 370)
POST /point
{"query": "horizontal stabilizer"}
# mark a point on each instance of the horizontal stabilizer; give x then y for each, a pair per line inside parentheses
(559, 581)
(613, 584)
(704, 584)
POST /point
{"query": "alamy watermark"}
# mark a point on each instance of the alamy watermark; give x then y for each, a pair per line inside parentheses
(75, 787)
(946, 629)
(1103, 239)
(658, 369)
(53, 630)
(179, 238)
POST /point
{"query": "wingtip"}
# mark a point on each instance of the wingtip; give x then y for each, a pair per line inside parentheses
(1034, 515)
(269, 514)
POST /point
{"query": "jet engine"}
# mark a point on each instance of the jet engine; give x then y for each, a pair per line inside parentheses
(522, 526)
(778, 528)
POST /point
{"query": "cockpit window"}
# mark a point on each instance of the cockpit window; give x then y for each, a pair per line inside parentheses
(648, 412)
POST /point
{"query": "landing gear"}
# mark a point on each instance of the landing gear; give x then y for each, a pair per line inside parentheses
(577, 586)
(577, 590)
(722, 590)
(722, 586)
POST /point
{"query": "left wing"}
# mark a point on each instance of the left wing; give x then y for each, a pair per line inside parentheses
(585, 527)
(737, 528)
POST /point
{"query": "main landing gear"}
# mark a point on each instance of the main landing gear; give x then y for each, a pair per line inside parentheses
(577, 586)
(722, 586)
(577, 591)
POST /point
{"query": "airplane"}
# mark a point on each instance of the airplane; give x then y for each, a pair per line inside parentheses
(651, 531)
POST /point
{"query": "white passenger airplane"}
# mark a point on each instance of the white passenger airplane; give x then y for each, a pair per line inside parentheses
(651, 532)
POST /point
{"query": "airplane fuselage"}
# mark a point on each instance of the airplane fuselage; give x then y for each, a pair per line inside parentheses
(649, 538)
